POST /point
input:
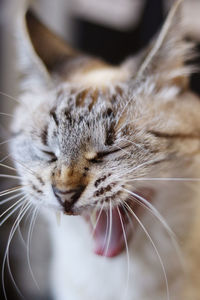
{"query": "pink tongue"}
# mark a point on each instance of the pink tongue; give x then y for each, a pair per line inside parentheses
(109, 239)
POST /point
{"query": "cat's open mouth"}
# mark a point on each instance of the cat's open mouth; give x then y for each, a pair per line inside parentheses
(110, 230)
(113, 228)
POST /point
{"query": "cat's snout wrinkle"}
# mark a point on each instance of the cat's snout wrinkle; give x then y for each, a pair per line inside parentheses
(67, 198)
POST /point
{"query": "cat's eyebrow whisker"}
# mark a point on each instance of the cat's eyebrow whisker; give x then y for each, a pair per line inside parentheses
(146, 204)
(123, 110)
(147, 163)
(123, 150)
(153, 245)
(150, 162)
(6, 255)
(127, 252)
(134, 144)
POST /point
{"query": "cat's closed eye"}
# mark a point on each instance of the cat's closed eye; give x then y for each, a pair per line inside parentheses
(45, 155)
(99, 156)
(51, 155)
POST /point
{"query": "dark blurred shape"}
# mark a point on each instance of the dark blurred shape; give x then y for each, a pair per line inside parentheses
(195, 78)
(115, 45)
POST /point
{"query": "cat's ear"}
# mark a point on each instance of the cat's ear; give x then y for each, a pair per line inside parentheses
(40, 52)
(165, 60)
(50, 48)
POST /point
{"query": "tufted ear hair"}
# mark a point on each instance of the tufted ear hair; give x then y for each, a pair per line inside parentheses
(166, 57)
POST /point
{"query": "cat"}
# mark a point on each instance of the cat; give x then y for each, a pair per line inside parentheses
(115, 151)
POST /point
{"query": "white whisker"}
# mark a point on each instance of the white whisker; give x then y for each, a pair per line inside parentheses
(127, 254)
(13, 210)
(8, 167)
(5, 114)
(8, 209)
(5, 142)
(97, 221)
(157, 215)
(154, 246)
(10, 198)
(11, 190)
(184, 179)
(10, 176)
(110, 228)
(6, 255)
(10, 97)
(30, 231)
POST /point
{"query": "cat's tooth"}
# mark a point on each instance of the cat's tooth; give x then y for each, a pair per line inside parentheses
(58, 218)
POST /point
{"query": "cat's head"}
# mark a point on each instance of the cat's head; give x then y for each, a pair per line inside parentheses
(87, 133)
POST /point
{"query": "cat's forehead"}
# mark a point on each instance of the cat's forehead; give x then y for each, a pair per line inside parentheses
(87, 101)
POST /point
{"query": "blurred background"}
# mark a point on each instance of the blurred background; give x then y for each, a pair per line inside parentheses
(112, 29)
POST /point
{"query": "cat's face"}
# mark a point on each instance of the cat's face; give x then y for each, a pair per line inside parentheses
(82, 144)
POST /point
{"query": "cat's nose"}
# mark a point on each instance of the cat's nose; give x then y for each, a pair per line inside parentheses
(67, 198)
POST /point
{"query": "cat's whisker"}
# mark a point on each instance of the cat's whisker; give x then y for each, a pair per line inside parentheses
(11, 190)
(127, 253)
(30, 231)
(110, 228)
(123, 150)
(147, 163)
(10, 198)
(134, 144)
(153, 245)
(7, 115)
(6, 255)
(146, 204)
(183, 179)
(19, 227)
(8, 167)
(6, 141)
(122, 111)
(8, 209)
(11, 213)
(24, 166)
(5, 158)
(10, 97)
(98, 217)
(10, 176)
(106, 233)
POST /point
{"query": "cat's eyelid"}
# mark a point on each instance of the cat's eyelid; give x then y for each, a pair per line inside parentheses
(50, 153)
(99, 155)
